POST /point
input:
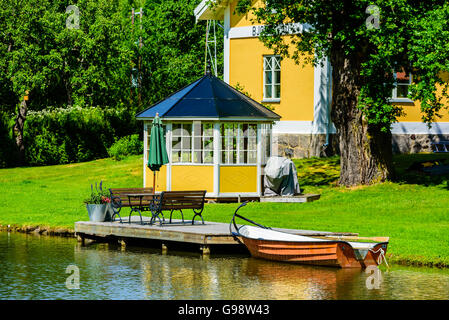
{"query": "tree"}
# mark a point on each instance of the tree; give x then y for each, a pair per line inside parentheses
(173, 47)
(365, 41)
(26, 58)
(54, 64)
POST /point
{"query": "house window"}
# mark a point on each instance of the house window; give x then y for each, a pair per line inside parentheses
(181, 142)
(238, 143)
(192, 143)
(402, 82)
(266, 142)
(203, 142)
(271, 77)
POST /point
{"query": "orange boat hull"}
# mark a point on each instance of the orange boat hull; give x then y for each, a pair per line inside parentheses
(332, 253)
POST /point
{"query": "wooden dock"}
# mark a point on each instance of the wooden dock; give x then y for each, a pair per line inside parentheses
(309, 197)
(205, 236)
(306, 197)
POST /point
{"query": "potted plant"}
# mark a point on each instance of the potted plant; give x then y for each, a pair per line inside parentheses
(98, 204)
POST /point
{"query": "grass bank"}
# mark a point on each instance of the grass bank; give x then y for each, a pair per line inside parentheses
(412, 210)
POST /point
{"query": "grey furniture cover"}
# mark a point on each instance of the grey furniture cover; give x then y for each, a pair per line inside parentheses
(280, 178)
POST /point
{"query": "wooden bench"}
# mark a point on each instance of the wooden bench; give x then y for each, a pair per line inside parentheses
(138, 199)
(180, 200)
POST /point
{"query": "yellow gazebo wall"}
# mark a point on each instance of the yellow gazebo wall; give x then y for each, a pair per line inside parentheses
(161, 179)
(185, 177)
(236, 179)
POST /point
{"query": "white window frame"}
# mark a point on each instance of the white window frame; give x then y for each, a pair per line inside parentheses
(182, 149)
(202, 137)
(192, 148)
(273, 70)
(394, 95)
(238, 136)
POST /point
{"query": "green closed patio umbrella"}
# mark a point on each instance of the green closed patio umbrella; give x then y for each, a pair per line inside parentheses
(158, 152)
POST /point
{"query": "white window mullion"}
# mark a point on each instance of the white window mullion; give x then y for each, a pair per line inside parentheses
(238, 143)
(273, 68)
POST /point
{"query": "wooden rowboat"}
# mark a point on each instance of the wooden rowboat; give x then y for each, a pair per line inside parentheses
(262, 242)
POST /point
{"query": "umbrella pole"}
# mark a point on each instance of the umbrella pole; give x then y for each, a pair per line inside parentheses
(154, 181)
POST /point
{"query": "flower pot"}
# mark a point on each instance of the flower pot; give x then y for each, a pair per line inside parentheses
(98, 212)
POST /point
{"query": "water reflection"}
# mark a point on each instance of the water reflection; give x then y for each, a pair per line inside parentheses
(34, 268)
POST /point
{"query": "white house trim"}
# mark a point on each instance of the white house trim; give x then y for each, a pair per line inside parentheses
(145, 151)
(307, 127)
(259, 157)
(298, 127)
(232, 119)
(255, 30)
(226, 43)
(204, 10)
(168, 147)
(217, 143)
(322, 98)
(420, 128)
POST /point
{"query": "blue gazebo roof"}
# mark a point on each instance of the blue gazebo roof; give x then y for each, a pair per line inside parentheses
(208, 97)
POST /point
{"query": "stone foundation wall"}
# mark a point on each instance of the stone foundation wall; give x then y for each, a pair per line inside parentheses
(414, 143)
(312, 145)
(305, 145)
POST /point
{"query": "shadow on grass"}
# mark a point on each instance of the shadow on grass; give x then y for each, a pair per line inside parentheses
(408, 170)
(411, 169)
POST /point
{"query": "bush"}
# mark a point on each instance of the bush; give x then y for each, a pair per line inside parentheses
(8, 149)
(66, 135)
(126, 146)
(74, 134)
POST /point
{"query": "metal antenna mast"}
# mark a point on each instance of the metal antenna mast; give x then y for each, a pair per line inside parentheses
(136, 78)
(210, 51)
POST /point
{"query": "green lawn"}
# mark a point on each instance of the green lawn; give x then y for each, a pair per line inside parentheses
(413, 211)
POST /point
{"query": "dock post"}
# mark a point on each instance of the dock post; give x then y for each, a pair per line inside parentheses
(206, 250)
(122, 244)
(164, 248)
(80, 239)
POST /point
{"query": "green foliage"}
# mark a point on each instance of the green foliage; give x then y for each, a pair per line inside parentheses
(75, 134)
(8, 153)
(414, 216)
(318, 171)
(65, 66)
(411, 35)
(90, 68)
(125, 146)
(98, 196)
(174, 46)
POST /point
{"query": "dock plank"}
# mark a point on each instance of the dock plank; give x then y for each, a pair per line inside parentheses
(211, 233)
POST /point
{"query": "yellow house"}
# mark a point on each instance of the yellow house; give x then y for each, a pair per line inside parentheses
(217, 140)
(302, 96)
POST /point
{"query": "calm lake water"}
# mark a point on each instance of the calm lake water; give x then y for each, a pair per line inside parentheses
(34, 267)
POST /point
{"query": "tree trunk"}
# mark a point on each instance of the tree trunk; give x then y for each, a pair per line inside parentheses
(18, 130)
(365, 151)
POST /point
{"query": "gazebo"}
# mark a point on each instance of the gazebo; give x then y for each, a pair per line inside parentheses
(217, 140)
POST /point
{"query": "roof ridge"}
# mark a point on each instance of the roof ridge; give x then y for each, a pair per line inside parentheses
(215, 99)
(193, 87)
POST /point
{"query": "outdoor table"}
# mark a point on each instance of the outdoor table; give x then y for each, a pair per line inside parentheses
(142, 206)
